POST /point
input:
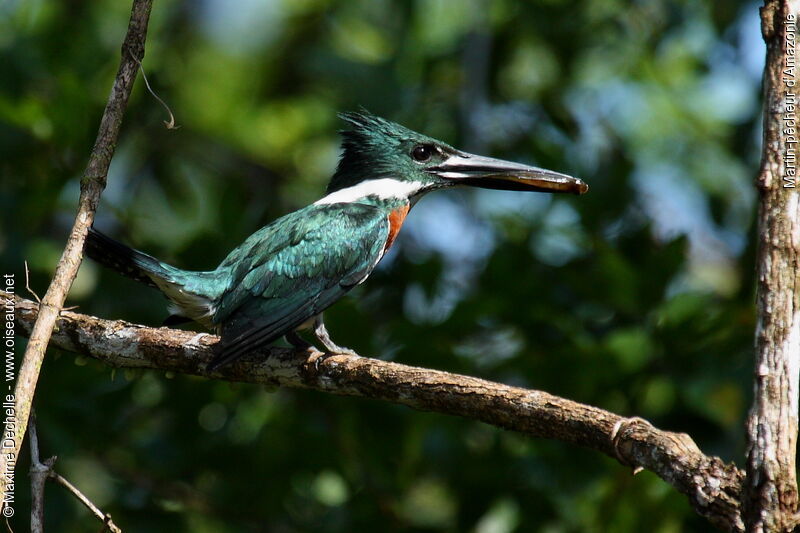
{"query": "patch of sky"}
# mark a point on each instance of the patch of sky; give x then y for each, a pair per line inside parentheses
(678, 207)
(674, 174)
(750, 44)
(561, 239)
(444, 225)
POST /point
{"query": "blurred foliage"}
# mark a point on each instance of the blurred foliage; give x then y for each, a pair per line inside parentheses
(636, 297)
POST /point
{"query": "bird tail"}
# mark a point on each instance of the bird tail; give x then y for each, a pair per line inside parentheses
(129, 262)
(192, 293)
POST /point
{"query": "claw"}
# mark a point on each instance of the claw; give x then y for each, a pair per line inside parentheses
(322, 335)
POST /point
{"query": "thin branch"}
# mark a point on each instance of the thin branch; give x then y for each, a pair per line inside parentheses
(170, 124)
(39, 472)
(28, 285)
(770, 497)
(92, 184)
(105, 518)
(713, 487)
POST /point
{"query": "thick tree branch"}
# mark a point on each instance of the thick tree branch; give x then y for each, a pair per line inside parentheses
(713, 487)
(92, 184)
(770, 497)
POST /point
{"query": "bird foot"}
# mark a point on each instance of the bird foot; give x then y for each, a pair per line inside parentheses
(330, 350)
(334, 349)
(322, 335)
(319, 359)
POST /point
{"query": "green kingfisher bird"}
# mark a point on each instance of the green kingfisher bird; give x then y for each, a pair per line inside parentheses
(282, 277)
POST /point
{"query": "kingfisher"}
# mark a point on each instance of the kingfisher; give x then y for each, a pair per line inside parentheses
(281, 278)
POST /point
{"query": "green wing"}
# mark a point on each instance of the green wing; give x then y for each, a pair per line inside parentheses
(291, 270)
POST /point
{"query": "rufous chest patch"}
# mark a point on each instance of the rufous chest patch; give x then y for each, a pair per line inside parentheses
(396, 218)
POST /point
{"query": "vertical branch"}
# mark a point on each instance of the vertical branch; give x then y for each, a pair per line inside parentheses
(92, 184)
(39, 472)
(770, 492)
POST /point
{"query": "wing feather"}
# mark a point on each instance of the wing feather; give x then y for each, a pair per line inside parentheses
(322, 252)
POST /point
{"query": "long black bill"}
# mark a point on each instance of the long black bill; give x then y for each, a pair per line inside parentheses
(489, 173)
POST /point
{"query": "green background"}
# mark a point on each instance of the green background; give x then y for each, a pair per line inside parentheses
(637, 297)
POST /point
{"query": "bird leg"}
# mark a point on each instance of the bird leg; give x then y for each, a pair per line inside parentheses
(324, 338)
(297, 342)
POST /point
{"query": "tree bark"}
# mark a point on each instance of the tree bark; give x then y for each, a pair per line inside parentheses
(770, 492)
(92, 185)
(712, 486)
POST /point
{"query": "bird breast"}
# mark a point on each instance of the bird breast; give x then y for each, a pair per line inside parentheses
(396, 218)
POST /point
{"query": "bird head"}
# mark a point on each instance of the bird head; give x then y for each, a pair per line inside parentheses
(375, 148)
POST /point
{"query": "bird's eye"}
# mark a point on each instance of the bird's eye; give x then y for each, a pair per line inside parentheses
(423, 152)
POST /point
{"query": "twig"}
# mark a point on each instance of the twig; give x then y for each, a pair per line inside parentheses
(713, 487)
(42, 470)
(92, 184)
(170, 124)
(105, 518)
(28, 285)
(39, 472)
(33, 293)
